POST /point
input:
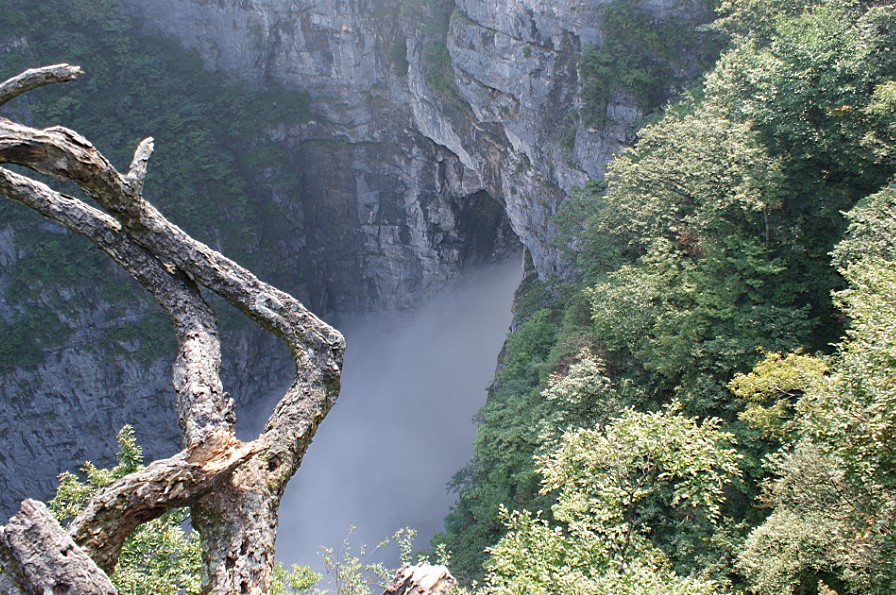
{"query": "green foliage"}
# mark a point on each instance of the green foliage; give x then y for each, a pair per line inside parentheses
(160, 556)
(534, 557)
(439, 71)
(637, 55)
(806, 93)
(693, 204)
(398, 55)
(802, 541)
(610, 480)
(771, 389)
(755, 20)
(435, 16)
(295, 580)
(712, 238)
(871, 232)
(705, 254)
(502, 470)
(352, 574)
(834, 492)
(607, 479)
(583, 396)
(143, 340)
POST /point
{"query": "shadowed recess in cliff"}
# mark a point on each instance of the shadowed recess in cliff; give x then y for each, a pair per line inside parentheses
(403, 423)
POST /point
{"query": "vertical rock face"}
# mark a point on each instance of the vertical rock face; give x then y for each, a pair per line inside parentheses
(407, 160)
(408, 171)
(390, 214)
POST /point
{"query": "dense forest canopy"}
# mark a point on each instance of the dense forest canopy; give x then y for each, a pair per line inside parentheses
(715, 394)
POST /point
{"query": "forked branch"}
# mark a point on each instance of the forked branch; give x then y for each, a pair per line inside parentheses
(233, 488)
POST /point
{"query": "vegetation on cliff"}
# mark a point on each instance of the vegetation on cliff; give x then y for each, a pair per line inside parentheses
(710, 406)
(706, 280)
(212, 152)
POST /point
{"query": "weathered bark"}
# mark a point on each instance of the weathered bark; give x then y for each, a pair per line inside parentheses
(423, 579)
(141, 496)
(233, 488)
(40, 557)
(37, 77)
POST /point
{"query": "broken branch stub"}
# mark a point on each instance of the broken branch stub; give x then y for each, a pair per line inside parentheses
(233, 488)
(40, 557)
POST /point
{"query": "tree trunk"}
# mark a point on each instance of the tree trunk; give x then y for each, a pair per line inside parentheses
(233, 488)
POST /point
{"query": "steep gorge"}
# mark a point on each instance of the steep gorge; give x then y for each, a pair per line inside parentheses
(441, 135)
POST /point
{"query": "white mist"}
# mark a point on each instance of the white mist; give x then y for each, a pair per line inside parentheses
(402, 427)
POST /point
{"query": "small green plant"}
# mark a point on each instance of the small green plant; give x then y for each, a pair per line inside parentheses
(160, 556)
(295, 580)
(437, 65)
(352, 574)
(638, 55)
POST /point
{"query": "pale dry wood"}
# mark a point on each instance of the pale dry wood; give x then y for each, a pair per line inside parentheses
(422, 579)
(37, 77)
(234, 494)
(40, 557)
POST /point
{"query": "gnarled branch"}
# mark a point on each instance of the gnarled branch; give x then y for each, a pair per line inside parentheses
(37, 77)
(233, 488)
(39, 557)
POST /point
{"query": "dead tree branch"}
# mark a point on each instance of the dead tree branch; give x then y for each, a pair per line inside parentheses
(40, 557)
(37, 77)
(233, 488)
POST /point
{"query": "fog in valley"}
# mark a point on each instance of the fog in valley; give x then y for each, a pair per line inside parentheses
(402, 426)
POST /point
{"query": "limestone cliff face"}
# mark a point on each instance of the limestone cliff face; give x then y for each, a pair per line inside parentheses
(403, 182)
(391, 214)
(407, 160)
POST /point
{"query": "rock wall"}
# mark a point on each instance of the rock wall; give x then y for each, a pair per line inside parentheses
(511, 128)
(401, 185)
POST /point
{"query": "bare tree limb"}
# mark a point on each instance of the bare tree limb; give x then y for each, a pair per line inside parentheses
(124, 505)
(233, 488)
(137, 172)
(37, 77)
(65, 154)
(40, 557)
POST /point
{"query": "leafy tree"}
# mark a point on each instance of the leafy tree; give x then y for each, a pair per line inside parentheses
(584, 396)
(772, 388)
(804, 540)
(706, 249)
(715, 228)
(835, 490)
(708, 284)
(756, 20)
(610, 483)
